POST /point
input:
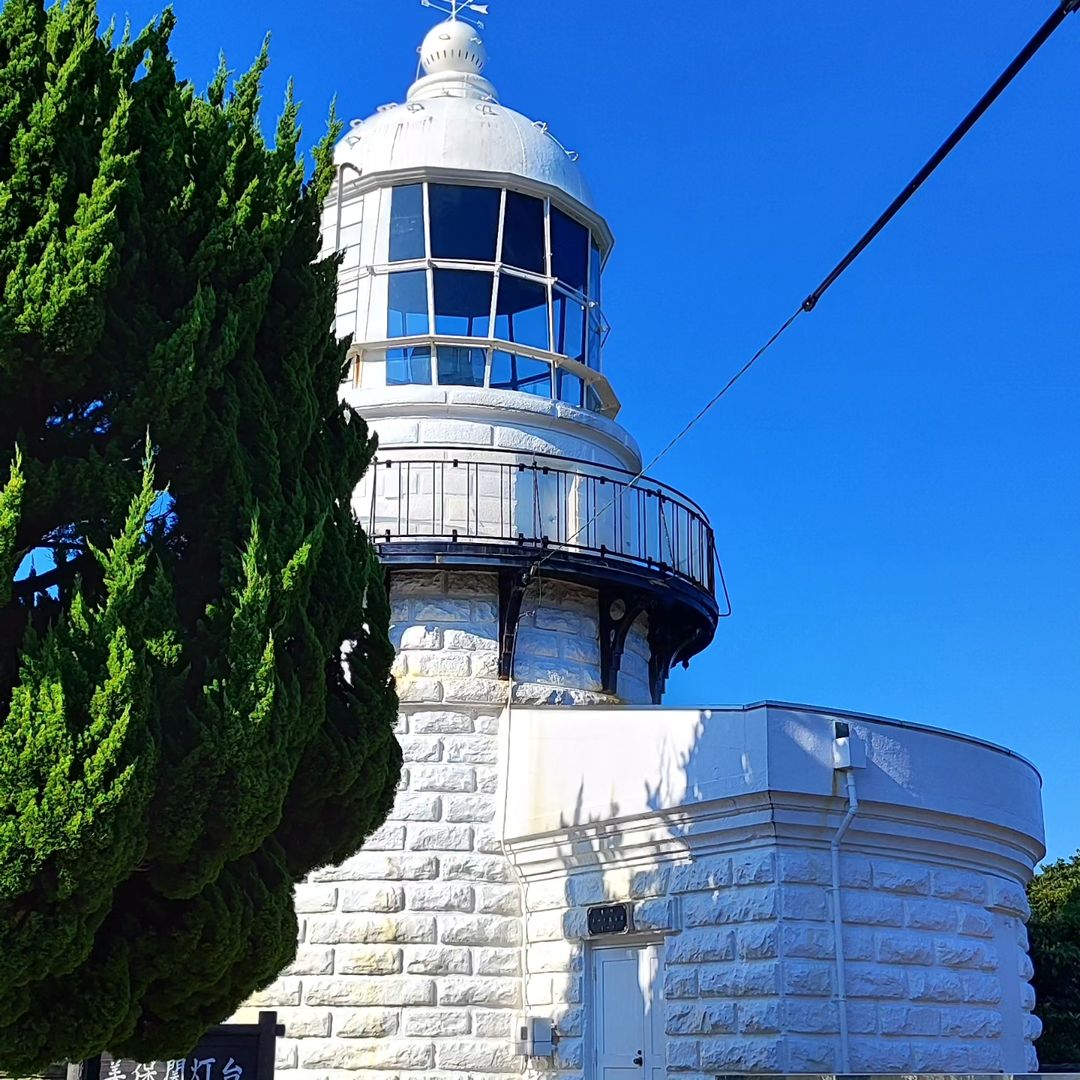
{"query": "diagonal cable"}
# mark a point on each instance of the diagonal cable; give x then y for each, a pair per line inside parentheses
(1064, 8)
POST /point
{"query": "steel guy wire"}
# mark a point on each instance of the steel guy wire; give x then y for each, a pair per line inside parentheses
(1064, 8)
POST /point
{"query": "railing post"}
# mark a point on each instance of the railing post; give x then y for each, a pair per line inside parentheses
(374, 477)
(438, 499)
(659, 527)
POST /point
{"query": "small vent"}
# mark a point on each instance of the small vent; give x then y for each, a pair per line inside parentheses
(609, 919)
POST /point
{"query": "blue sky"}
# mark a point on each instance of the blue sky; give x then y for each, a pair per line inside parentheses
(896, 488)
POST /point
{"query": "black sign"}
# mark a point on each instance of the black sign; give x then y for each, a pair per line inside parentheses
(609, 919)
(227, 1052)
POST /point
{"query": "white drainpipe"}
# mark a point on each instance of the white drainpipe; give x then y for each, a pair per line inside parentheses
(848, 755)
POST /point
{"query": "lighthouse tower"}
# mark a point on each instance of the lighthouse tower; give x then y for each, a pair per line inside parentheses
(520, 540)
(573, 882)
(526, 558)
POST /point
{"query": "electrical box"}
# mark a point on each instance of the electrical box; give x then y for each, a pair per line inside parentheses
(536, 1037)
(849, 752)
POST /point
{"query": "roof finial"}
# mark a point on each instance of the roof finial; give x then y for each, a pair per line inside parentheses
(456, 8)
(453, 48)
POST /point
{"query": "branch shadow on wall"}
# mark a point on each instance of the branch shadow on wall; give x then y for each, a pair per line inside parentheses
(607, 852)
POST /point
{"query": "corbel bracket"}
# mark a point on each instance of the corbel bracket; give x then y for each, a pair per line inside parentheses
(512, 585)
(619, 610)
(667, 644)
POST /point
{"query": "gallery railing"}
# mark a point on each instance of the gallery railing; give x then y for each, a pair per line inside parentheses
(536, 501)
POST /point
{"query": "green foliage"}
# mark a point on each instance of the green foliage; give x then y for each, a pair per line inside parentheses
(1054, 929)
(181, 735)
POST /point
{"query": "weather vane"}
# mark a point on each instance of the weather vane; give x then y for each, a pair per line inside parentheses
(456, 8)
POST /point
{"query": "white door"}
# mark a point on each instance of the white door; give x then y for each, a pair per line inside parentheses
(628, 1013)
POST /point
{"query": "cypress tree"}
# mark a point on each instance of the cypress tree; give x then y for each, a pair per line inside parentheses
(183, 734)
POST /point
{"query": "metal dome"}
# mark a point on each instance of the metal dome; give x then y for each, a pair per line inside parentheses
(452, 120)
(452, 46)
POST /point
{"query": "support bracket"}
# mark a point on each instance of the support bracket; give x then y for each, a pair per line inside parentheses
(512, 586)
(614, 629)
(666, 647)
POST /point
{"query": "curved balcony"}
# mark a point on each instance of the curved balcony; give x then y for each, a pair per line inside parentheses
(643, 545)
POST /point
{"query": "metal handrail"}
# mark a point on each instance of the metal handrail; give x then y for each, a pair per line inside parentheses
(673, 493)
(540, 500)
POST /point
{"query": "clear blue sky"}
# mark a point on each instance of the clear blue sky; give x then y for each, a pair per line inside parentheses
(896, 489)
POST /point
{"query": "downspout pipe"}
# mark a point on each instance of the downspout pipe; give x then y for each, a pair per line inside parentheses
(845, 761)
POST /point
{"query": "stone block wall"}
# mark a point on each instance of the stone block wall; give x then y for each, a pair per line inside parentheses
(418, 954)
(410, 960)
(446, 629)
(936, 963)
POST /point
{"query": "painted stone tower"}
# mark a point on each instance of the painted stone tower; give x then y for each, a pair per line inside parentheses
(521, 547)
(799, 890)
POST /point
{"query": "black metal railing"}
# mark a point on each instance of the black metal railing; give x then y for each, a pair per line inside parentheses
(539, 501)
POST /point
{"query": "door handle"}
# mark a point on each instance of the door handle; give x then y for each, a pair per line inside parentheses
(639, 1060)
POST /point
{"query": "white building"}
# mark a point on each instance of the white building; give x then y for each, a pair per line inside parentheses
(684, 893)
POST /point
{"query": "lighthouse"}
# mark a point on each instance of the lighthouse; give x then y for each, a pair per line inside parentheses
(472, 286)
(574, 882)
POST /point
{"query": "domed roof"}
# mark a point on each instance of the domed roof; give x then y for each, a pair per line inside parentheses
(452, 119)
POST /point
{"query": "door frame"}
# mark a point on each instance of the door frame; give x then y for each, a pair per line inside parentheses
(592, 947)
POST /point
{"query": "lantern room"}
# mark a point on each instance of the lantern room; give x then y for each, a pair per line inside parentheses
(472, 254)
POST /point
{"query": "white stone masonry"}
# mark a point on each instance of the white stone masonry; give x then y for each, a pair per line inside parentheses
(418, 954)
(410, 959)
(749, 985)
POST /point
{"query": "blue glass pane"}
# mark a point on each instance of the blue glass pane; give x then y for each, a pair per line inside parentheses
(569, 326)
(569, 250)
(407, 310)
(463, 302)
(570, 388)
(461, 366)
(592, 400)
(594, 273)
(596, 339)
(510, 372)
(523, 233)
(407, 223)
(464, 222)
(406, 367)
(521, 312)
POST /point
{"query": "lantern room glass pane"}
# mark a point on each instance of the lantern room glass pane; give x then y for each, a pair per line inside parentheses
(407, 310)
(512, 372)
(461, 366)
(463, 302)
(406, 367)
(569, 250)
(521, 312)
(594, 272)
(407, 223)
(523, 233)
(569, 326)
(570, 388)
(464, 222)
(596, 338)
(592, 400)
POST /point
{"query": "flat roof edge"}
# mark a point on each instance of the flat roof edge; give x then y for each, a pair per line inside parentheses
(823, 710)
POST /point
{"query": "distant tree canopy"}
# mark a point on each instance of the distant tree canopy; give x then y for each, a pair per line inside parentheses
(182, 736)
(1055, 950)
